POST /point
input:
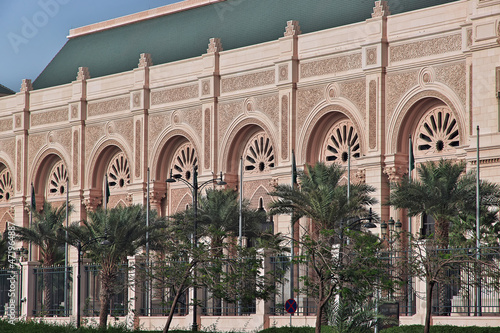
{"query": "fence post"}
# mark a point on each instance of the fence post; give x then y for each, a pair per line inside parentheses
(28, 288)
(135, 290)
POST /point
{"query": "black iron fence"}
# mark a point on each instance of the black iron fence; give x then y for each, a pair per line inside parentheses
(91, 288)
(10, 292)
(52, 285)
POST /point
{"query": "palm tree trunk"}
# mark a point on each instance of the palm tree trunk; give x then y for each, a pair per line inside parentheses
(47, 286)
(103, 313)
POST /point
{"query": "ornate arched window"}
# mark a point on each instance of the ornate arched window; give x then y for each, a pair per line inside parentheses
(118, 172)
(6, 187)
(185, 158)
(259, 154)
(437, 132)
(57, 181)
(335, 147)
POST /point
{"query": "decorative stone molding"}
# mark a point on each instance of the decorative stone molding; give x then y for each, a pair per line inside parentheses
(174, 94)
(247, 81)
(270, 106)
(455, 77)
(249, 104)
(469, 37)
(335, 147)
(214, 45)
(155, 197)
(397, 84)
(371, 56)
(330, 65)
(426, 75)
(58, 177)
(26, 85)
(284, 127)
(145, 60)
(49, 117)
(283, 72)
(207, 138)
(381, 9)
(205, 87)
(136, 99)
(113, 105)
(292, 29)
(493, 160)
(332, 92)
(426, 48)
(354, 91)
(372, 114)
(82, 74)
(395, 173)
(138, 150)
(6, 124)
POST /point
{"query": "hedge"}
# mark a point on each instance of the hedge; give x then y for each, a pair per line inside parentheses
(442, 329)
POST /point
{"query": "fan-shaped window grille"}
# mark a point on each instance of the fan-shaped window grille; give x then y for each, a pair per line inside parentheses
(58, 179)
(437, 132)
(185, 158)
(118, 172)
(336, 144)
(6, 187)
(259, 154)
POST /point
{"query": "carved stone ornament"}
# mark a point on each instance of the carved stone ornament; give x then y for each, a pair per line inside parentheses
(6, 186)
(292, 28)
(155, 197)
(395, 172)
(26, 85)
(83, 74)
(91, 203)
(145, 60)
(214, 45)
(381, 9)
(360, 176)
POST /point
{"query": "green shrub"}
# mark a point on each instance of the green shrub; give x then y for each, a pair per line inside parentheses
(442, 329)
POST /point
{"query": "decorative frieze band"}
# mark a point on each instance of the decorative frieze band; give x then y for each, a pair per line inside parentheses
(5, 125)
(426, 48)
(49, 117)
(330, 65)
(174, 94)
(247, 81)
(114, 105)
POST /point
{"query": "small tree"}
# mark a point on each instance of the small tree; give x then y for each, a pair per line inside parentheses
(125, 229)
(340, 268)
(46, 232)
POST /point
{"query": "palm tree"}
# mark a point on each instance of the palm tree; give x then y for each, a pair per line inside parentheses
(218, 219)
(47, 234)
(445, 192)
(323, 198)
(125, 229)
(4, 253)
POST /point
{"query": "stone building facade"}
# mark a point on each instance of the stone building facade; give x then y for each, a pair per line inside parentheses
(432, 73)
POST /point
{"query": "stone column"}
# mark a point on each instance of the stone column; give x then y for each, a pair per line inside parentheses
(28, 288)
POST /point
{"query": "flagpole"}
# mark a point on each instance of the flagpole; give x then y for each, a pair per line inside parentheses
(292, 229)
(240, 221)
(66, 307)
(148, 298)
(411, 165)
(478, 234)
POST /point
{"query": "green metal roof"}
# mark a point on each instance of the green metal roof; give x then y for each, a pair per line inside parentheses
(185, 34)
(5, 91)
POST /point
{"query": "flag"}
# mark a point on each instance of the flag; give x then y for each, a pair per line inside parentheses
(33, 200)
(106, 191)
(294, 169)
(411, 159)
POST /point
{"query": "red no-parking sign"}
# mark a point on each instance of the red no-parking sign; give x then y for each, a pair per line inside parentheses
(291, 306)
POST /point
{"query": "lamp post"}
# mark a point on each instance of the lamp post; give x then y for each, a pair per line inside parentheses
(80, 248)
(195, 188)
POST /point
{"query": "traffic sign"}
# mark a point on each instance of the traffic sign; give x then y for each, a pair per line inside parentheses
(291, 306)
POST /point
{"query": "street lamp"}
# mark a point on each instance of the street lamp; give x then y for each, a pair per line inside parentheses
(80, 248)
(195, 188)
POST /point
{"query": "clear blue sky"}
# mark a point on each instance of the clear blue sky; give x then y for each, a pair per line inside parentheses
(33, 31)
